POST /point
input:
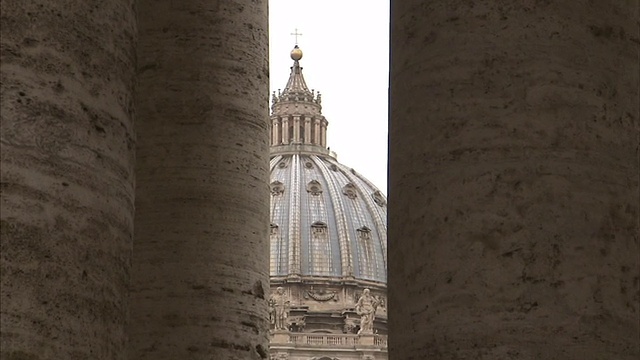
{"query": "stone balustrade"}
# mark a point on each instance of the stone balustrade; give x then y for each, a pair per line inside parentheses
(342, 341)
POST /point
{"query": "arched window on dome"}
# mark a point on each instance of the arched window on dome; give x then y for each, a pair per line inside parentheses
(314, 188)
(366, 254)
(277, 188)
(320, 250)
(350, 190)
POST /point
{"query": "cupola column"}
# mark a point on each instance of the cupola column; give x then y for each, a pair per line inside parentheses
(285, 130)
(307, 130)
(296, 129)
(316, 131)
(323, 134)
(274, 131)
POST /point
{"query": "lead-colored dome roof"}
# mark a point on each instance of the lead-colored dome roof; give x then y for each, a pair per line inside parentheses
(326, 220)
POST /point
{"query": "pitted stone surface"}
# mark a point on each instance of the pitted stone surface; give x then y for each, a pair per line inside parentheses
(67, 177)
(200, 268)
(513, 229)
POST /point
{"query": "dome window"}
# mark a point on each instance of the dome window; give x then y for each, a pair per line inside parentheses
(378, 198)
(314, 188)
(366, 253)
(364, 233)
(319, 227)
(320, 250)
(275, 243)
(334, 167)
(277, 188)
(350, 190)
(308, 165)
(282, 165)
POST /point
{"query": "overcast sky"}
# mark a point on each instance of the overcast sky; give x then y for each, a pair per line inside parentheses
(345, 45)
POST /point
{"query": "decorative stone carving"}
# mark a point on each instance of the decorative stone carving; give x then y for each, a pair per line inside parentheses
(321, 295)
(319, 227)
(366, 307)
(314, 188)
(350, 190)
(274, 229)
(364, 233)
(279, 309)
(277, 188)
(350, 326)
(296, 323)
(378, 198)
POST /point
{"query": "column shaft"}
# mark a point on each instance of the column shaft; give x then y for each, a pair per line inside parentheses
(201, 257)
(67, 178)
(513, 226)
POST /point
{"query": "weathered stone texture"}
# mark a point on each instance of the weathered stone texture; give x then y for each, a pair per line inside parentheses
(513, 229)
(67, 177)
(200, 269)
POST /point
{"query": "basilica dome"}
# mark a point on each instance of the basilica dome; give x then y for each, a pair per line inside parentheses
(328, 238)
(327, 220)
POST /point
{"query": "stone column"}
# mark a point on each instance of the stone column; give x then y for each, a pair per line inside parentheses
(513, 220)
(201, 263)
(307, 130)
(67, 178)
(323, 134)
(296, 129)
(278, 136)
(285, 131)
(316, 131)
(275, 124)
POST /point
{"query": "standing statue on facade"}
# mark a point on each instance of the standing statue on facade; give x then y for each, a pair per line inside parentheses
(279, 309)
(366, 307)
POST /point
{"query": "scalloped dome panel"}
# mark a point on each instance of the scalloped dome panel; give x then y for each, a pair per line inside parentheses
(326, 220)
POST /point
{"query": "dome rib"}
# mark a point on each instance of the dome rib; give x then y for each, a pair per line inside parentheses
(341, 221)
(280, 212)
(374, 209)
(294, 217)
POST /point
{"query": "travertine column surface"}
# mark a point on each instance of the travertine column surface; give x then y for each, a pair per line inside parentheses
(201, 258)
(513, 229)
(67, 177)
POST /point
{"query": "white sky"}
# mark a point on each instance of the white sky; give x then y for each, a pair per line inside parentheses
(345, 45)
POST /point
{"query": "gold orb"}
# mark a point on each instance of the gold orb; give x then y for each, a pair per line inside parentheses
(296, 53)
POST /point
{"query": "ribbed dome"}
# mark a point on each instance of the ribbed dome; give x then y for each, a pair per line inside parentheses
(326, 220)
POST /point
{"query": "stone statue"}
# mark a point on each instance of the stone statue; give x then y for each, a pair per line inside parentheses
(279, 309)
(366, 307)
